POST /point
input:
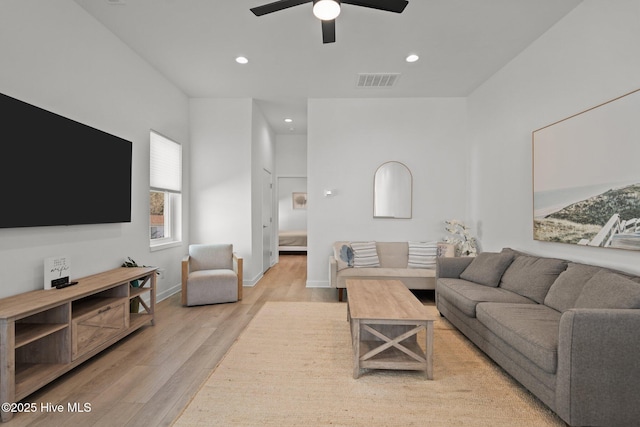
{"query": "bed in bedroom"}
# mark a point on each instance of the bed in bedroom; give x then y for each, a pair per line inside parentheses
(292, 241)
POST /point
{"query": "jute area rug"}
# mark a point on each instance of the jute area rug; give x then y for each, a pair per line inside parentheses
(292, 366)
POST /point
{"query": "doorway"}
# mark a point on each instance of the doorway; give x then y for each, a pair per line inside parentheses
(292, 214)
(267, 220)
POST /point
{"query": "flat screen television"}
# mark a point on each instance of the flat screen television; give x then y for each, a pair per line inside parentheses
(56, 171)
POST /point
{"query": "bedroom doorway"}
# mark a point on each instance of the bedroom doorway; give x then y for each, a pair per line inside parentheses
(292, 214)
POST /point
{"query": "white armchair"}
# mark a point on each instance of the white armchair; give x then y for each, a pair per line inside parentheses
(211, 274)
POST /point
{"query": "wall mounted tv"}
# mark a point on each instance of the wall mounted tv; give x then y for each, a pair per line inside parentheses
(56, 171)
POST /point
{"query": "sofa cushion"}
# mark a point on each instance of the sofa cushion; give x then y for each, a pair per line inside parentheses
(212, 287)
(422, 254)
(452, 267)
(531, 329)
(564, 292)
(532, 276)
(609, 290)
(374, 272)
(393, 254)
(365, 254)
(466, 295)
(487, 268)
(513, 252)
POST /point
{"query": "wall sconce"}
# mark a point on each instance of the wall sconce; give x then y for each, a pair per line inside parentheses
(329, 193)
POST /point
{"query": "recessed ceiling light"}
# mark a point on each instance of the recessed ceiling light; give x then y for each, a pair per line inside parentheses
(288, 120)
(412, 58)
(242, 60)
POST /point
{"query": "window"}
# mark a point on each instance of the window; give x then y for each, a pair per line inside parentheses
(165, 198)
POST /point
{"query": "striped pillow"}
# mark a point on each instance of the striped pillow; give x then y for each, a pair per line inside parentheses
(422, 254)
(365, 254)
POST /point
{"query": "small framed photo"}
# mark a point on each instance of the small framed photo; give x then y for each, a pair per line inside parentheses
(299, 200)
(57, 270)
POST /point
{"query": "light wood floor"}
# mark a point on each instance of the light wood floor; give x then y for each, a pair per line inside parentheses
(149, 377)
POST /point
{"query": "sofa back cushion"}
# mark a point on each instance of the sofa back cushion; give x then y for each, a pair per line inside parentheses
(609, 290)
(393, 254)
(532, 276)
(567, 288)
(487, 268)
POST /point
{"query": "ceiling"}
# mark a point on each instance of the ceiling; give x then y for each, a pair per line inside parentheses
(194, 43)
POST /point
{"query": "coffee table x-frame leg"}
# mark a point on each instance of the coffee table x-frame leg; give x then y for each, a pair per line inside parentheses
(400, 337)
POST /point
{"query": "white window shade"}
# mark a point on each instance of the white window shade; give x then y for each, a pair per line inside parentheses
(166, 164)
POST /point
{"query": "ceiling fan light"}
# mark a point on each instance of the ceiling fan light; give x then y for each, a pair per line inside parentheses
(326, 10)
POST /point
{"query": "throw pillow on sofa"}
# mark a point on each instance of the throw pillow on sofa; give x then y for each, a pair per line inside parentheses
(609, 290)
(487, 268)
(422, 254)
(365, 254)
(446, 250)
(343, 255)
(346, 255)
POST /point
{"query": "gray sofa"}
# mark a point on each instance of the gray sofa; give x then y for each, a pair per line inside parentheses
(568, 332)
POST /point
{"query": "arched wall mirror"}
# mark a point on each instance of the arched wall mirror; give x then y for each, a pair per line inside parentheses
(392, 191)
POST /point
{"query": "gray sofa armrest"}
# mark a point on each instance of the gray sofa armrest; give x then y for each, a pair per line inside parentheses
(598, 377)
(451, 267)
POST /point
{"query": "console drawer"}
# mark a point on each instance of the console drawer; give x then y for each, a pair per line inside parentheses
(95, 327)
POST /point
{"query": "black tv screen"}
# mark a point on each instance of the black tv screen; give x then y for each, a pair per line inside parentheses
(56, 171)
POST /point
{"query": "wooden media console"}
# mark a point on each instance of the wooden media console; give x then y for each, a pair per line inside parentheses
(46, 333)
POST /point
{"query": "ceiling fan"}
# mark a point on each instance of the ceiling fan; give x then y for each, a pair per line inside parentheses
(328, 10)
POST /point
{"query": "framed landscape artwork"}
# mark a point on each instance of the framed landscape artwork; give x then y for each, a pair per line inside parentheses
(586, 177)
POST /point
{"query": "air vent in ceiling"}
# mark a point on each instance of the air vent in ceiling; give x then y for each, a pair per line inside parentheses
(117, 2)
(377, 79)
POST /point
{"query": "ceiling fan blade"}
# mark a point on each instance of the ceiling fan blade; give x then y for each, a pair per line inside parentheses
(276, 6)
(329, 31)
(386, 5)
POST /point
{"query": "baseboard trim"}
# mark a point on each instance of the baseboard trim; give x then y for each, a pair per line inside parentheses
(168, 292)
(251, 283)
(318, 284)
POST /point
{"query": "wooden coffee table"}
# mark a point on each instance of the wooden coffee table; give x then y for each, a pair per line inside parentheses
(385, 318)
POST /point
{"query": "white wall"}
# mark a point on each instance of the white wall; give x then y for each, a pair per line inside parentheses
(589, 57)
(349, 138)
(291, 155)
(262, 160)
(220, 173)
(57, 57)
(230, 145)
